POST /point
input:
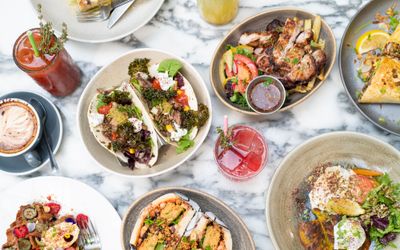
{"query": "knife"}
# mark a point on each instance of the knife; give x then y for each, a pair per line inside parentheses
(118, 12)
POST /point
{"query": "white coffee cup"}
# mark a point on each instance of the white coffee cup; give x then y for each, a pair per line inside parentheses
(12, 108)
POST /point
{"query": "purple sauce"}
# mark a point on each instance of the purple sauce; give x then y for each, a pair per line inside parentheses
(265, 97)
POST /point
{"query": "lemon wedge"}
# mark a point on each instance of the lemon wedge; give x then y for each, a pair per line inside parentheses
(371, 40)
(344, 207)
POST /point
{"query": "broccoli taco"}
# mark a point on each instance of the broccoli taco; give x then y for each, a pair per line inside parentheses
(118, 123)
(170, 100)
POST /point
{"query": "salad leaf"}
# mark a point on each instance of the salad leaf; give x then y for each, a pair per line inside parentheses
(131, 110)
(172, 66)
(239, 99)
(184, 144)
(160, 246)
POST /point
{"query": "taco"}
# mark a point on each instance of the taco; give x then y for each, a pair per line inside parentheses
(162, 223)
(208, 234)
(119, 125)
(170, 100)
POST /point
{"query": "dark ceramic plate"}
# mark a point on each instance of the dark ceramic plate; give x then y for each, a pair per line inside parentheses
(258, 23)
(17, 165)
(241, 237)
(385, 116)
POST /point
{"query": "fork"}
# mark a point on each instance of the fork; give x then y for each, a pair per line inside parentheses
(89, 238)
(100, 13)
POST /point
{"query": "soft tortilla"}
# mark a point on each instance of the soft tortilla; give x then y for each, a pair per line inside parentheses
(95, 120)
(179, 228)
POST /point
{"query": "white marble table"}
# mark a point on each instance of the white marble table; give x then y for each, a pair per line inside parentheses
(177, 28)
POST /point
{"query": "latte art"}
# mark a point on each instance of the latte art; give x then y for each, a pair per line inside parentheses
(18, 127)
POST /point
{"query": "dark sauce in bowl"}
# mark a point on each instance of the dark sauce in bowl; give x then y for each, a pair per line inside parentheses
(265, 94)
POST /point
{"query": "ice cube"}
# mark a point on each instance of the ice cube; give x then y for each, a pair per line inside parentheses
(243, 139)
(253, 161)
(230, 159)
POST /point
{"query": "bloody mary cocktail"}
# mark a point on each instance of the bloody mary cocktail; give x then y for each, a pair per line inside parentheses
(246, 156)
(56, 73)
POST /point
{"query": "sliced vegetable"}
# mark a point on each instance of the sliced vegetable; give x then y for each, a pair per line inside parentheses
(228, 60)
(54, 207)
(104, 110)
(249, 63)
(367, 172)
(29, 213)
(24, 244)
(172, 66)
(344, 207)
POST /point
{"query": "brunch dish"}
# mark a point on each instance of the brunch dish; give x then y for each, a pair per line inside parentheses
(148, 109)
(338, 197)
(53, 213)
(347, 207)
(184, 219)
(293, 47)
(39, 225)
(140, 13)
(369, 63)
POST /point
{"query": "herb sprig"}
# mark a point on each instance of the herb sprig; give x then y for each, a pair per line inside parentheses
(49, 45)
(225, 140)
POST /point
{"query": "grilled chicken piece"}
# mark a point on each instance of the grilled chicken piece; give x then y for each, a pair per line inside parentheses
(286, 40)
(258, 39)
(265, 61)
(275, 25)
(305, 70)
(304, 38)
(320, 58)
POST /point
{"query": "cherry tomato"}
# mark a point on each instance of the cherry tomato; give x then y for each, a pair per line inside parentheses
(82, 220)
(114, 136)
(249, 63)
(21, 232)
(182, 98)
(105, 109)
(156, 84)
(54, 207)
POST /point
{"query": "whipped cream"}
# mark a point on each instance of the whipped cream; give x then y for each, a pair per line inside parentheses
(18, 127)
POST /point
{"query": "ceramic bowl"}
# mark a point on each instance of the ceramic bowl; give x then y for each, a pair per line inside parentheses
(346, 147)
(241, 237)
(114, 74)
(258, 23)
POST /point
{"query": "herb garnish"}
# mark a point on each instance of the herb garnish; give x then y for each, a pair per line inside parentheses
(184, 143)
(225, 140)
(49, 45)
(268, 82)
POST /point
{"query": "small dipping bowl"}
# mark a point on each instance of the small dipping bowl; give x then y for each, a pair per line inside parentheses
(265, 94)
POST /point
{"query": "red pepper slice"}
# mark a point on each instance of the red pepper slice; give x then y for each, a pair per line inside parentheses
(82, 220)
(156, 84)
(21, 232)
(105, 109)
(54, 208)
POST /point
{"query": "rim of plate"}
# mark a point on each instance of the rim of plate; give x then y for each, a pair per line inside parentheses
(175, 189)
(355, 103)
(143, 23)
(196, 147)
(59, 140)
(234, 28)
(295, 150)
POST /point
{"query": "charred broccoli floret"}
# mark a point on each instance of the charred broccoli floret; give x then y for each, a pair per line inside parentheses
(138, 65)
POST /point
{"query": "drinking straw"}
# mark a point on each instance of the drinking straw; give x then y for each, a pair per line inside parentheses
(225, 125)
(32, 41)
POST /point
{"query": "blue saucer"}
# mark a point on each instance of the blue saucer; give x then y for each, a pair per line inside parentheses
(54, 127)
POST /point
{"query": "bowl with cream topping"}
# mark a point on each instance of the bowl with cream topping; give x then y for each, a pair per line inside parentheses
(20, 128)
(340, 195)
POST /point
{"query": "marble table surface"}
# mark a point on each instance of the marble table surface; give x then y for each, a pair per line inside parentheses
(178, 28)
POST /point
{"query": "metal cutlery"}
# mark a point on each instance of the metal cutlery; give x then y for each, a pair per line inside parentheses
(89, 238)
(101, 13)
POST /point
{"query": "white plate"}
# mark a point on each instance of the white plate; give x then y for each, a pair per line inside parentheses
(59, 11)
(71, 194)
(114, 74)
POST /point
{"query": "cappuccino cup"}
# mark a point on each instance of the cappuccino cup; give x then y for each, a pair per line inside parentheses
(20, 129)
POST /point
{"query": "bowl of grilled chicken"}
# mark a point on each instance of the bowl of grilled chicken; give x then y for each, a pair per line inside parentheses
(293, 45)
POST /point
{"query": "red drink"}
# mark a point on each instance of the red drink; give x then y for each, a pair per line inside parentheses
(56, 73)
(246, 157)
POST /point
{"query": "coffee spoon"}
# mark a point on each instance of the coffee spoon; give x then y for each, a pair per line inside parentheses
(53, 163)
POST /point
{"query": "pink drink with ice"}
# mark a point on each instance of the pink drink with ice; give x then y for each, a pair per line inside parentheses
(246, 157)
